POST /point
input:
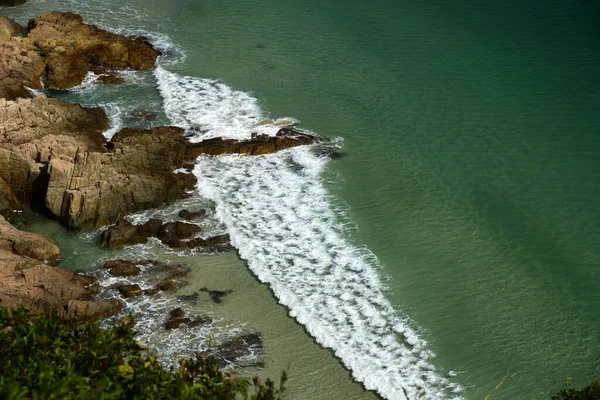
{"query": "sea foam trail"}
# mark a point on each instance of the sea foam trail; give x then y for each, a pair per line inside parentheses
(280, 218)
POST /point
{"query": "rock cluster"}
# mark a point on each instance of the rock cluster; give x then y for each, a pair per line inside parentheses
(62, 47)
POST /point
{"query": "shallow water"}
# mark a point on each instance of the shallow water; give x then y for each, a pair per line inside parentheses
(470, 157)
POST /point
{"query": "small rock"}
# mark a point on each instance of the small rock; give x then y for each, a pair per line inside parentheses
(191, 215)
(122, 268)
(176, 313)
(144, 115)
(111, 79)
(240, 347)
(130, 290)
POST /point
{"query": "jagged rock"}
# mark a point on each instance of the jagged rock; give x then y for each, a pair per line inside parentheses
(29, 244)
(191, 215)
(19, 68)
(8, 200)
(72, 48)
(259, 144)
(130, 290)
(9, 29)
(122, 268)
(11, 3)
(240, 347)
(215, 295)
(111, 79)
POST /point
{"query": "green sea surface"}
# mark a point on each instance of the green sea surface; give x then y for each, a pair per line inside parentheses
(470, 163)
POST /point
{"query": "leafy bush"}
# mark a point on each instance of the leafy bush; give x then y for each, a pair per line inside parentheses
(590, 392)
(48, 358)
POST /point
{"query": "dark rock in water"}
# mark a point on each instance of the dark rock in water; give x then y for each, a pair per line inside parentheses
(151, 292)
(210, 243)
(192, 298)
(177, 318)
(190, 215)
(240, 347)
(11, 3)
(144, 115)
(216, 295)
(130, 290)
(122, 268)
(111, 79)
(258, 144)
(170, 285)
(177, 231)
(72, 48)
(124, 233)
(176, 313)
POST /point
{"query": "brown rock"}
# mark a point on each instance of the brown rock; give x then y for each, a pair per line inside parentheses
(177, 230)
(177, 318)
(90, 310)
(191, 215)
(130, 290)
(111, 79)
(19, 68)
(9, 28)
(72, 48)
(259, 144)
(29, 244)
(240, 347)
(124, 233)
(122, 268)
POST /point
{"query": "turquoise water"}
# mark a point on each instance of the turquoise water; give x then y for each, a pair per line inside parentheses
(470, 163)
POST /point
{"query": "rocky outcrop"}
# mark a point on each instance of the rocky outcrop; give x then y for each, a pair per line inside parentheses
(258, 144)
(29, 244)
(26, 280)
(20, 68)
(72, 48)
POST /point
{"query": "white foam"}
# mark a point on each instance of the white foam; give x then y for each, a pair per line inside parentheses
(207, 108)
(281, 219)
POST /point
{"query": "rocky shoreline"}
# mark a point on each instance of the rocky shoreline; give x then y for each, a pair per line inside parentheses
(55, 159)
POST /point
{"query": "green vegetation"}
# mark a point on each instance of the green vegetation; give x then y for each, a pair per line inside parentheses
(48, 358)
(590, 392)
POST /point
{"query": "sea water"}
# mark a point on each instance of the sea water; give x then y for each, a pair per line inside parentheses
(462, 218)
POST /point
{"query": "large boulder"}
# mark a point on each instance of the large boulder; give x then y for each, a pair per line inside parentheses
(72, 48)
(20, 68)
(29, 244)
(9, 28)
(26, 280)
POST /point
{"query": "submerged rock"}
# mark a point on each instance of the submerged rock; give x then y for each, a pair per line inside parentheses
(240, 347)
(215, 295)
(177, 318)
